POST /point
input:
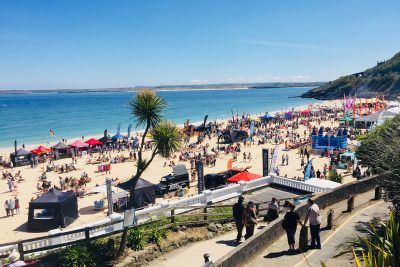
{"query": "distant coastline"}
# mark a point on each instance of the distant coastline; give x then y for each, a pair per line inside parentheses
(224, 86)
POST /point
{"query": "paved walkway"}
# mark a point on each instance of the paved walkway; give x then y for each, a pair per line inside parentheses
(276, 254)
(346, 226)
(192, 255)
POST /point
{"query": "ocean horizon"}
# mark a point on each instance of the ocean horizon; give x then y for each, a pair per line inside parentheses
(28, 118)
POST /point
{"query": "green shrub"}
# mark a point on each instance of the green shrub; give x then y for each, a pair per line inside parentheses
(81, 255)
(156, 234)
(136, 238)
(335, 177)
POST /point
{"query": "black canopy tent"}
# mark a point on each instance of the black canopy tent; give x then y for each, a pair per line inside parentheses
(232, 136)
(52, 210)
(21, 157)
(61, 150)
(145, 192)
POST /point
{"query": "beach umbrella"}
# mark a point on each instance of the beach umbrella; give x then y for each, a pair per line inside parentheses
(243, 176)
(93, 142)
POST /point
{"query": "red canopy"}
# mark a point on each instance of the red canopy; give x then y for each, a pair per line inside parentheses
(41, 150)
(78, 144)
(93, 142)
(243, 176)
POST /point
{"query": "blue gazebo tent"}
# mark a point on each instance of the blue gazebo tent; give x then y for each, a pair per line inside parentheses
(117, 137)
(266, 117)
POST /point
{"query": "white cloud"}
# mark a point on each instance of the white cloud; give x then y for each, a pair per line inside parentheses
(254, 79)
(198, 81)
(300, 77)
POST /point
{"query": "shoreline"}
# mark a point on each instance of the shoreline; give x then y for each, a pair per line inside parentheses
(5, 151)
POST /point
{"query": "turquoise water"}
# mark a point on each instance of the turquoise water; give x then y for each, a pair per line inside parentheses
(29, 118)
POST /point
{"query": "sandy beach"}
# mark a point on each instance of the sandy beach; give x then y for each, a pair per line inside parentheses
(14, 227)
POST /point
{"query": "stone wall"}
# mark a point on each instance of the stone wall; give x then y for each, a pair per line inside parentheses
(267, 236)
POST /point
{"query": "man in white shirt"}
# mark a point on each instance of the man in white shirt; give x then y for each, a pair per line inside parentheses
(315, 224)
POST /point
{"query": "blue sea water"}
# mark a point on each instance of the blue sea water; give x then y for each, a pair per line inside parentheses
(28, 118)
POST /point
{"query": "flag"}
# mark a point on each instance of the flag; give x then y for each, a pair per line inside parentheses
(307, 171)
(52, 132)
(274, 158)
(129, 130)
(354, 106)
(383, 102)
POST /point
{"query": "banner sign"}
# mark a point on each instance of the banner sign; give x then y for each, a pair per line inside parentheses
(265, 161)
(274, 158)
(109, 197)
(119, 129)
(129, 218)
(200, 176)
(129, 130)
(307, 171)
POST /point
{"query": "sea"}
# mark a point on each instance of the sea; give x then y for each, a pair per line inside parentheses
(28, 118)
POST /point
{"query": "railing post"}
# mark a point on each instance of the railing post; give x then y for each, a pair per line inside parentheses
(350, 203)
(329, 224)
(87, 234)
(21, 250)
(173, 215)
(378, 192)
(208, 196)
(243, 187)
(205, 213)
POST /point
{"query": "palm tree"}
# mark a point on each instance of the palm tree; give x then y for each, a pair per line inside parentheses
(147, 108)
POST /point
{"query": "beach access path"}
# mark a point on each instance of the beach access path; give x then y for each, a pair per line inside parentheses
(346, 224)
(221, 244)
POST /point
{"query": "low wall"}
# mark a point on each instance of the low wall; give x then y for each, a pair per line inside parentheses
(266, 237)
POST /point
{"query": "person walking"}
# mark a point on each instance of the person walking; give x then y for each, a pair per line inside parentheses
(11, 206)
(16, 200)
(249, 157)
(287, 159)
(244, 157)
(10, 184)
(289, 223)
(250, 220)
(283, 159)
(314, 217)
(6, 208)
(238, 214)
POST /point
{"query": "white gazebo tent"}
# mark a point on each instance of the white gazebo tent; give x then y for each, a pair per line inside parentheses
(367, 121)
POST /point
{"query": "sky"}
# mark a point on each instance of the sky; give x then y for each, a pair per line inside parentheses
(73, 44)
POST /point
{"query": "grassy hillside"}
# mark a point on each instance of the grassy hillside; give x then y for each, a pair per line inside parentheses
(383, 79)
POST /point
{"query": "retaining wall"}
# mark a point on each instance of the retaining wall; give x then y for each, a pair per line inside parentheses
(261, 240)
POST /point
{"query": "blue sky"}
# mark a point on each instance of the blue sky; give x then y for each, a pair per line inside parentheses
(96, 44)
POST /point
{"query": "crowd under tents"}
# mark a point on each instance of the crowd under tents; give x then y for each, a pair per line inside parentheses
(118, 137)
(61, 150)
(366, 122)
(93, 142)
(40, 150)
(232, 136)
(52, 210)
(266, 117)
(21, 157)
(145, 192)
(78, 144)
